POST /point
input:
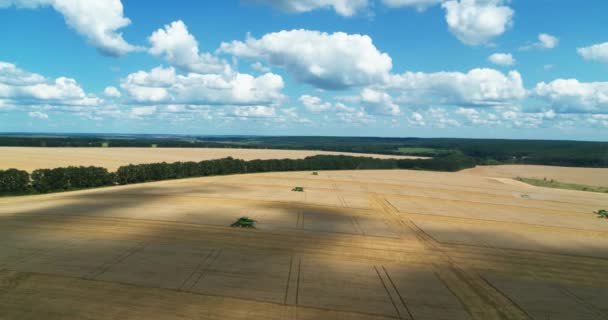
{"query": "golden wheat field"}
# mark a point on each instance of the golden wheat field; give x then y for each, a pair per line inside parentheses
(353, 245)
(31, 158)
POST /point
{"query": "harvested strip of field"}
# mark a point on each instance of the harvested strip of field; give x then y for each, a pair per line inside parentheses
(32, 158)
(584, 176)
(561, 185)
(382, 244)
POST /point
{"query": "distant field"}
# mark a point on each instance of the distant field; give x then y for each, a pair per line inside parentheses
(584, 176)
(32, 158)
(420, 150)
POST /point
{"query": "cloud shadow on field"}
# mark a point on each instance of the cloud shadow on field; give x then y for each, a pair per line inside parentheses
(331, 235)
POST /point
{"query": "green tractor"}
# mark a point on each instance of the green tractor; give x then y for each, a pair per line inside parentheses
(298, 189)
(315, 173)
(244, 222)
(602, 214)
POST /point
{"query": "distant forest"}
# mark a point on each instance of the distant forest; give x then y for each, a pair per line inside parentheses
(483, 151)
(19, 182)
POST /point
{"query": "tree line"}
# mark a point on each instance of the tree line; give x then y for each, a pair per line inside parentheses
(13, 182)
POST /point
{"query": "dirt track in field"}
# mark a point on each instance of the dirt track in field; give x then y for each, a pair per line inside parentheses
(29, 158)
(354, 245)
(585, 176)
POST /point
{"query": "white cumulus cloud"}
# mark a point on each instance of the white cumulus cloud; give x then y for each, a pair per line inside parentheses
(502, 59)
(137, 112)
(357, 117)
(476, 22)
(328, 61)
(379, 102)
(178, 47)
(111, 92)
(440, 118)
(258, 66)
(338, 111)
(20, 87)
(545, 41)
(97, 21)
(573, 96)
(252, 111)
(314, 104)
(164, 85)
(478, 87)
(596, 52)
(417, 119)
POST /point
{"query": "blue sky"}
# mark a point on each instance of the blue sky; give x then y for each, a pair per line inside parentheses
(427, 68)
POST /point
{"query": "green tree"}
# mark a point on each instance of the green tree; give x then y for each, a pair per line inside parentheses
(14, 181)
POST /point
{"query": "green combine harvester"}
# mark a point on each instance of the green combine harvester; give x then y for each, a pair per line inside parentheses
(298, 189)
(244, 222)
(315, 173)
(602, 214)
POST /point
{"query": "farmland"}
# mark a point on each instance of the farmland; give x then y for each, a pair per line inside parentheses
(484, 151)
(597, 177)
(376, 244)
(30, 158)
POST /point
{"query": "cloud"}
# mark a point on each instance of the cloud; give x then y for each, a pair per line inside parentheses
(476, 22)
(138, 112)
(327, 61)
(596, 52)
(150, 87)
(478, 87)
(599, 120)
(417, 119)
(20, 87)
(267, 115)
(378, 102)
(502, 59)
(11, 75)
(354, 116)
(338, 110)
(440, 118)
(545, 41)
(345, 8)
(573, 96)
(314, 104)
(258, 66)
(177, 46)
(111, 92)
(97, 21)
(38, 115)
(479, 118)
(164, 86)
(418, 4)
(251, 111)
(469, 112)
(505, 116)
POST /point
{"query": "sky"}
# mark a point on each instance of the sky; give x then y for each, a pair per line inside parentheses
(529, 69)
